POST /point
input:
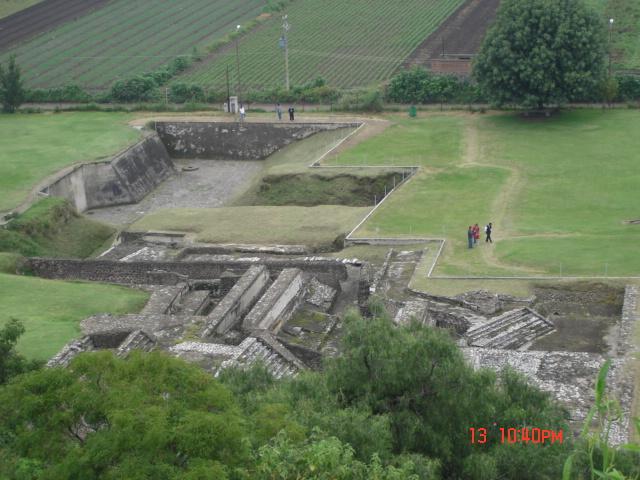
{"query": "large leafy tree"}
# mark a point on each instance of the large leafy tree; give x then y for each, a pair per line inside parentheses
(11, 87)
(541, 52)
(12, 363)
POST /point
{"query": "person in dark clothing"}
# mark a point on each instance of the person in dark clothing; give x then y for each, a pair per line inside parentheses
(470, 236)
(487, 230)
(292, 112)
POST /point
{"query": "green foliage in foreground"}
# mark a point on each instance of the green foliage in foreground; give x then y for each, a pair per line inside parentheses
(12, 363)
(396, 406)
(52, 227)
(541, 52)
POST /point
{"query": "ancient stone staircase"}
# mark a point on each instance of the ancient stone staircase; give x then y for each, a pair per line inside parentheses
(513, 330)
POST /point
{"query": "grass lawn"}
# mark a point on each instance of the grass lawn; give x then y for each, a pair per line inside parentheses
(33, 146)
(51, 310)
(313, 226)
(557, 190)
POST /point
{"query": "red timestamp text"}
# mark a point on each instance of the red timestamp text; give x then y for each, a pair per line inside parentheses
(537, 436)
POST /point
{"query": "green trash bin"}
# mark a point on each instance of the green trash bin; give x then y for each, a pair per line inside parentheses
(413, 111)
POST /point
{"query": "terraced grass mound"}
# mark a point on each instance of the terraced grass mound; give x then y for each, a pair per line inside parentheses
(125, 38)
(32, 147)
(355, 43)
(52, 228)
(318, 227)
(309, 189)
(51, 310)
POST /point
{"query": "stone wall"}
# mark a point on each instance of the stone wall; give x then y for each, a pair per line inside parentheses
(237, 302)
(327, 270)
(235, 141)
(278, 303)
(126, 178)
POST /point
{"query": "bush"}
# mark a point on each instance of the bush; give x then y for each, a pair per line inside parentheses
(186, 92)
(417, 85)
(67, 93)
(361, 101)
(136, 89)
(628, 87)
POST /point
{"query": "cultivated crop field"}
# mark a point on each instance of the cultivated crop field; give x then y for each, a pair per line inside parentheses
(126, 38)
(368, 40)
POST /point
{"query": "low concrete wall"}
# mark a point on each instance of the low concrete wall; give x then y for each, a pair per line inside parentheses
(328, 271)
(278, 303)
(237, 302)
(126, 178)
(235, 141)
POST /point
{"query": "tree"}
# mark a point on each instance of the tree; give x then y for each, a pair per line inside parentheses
(541, 52)
(11, 362)
(11, 87)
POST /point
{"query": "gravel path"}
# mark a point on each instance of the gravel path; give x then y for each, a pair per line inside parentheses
(213, 184)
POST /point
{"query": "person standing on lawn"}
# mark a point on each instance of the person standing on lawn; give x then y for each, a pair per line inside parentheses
(279, 111)
(476, 233)
(470, 236)
(487, 230)
(292, 112)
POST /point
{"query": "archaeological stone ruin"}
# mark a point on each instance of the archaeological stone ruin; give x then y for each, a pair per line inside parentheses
(234, 305)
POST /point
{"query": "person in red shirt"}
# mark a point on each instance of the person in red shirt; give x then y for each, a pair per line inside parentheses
(476, 233)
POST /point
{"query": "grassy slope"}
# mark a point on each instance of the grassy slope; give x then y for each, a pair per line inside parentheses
(52, 228)
(51, 310)
(125, 38)
(557, 190)
(35, 146)
(9, 7)
(369, 39)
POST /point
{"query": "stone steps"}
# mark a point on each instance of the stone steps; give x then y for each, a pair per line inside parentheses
(70, 351)
(136, 340)
(277, 365)
(513, 330)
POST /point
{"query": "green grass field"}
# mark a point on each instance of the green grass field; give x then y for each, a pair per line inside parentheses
(9, 7)
(125, 38)
(35, 146)
(51, 310)
(314, 226)
(557, 191)
(368, 40)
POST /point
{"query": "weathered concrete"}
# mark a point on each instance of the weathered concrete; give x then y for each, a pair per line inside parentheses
(228, 313)
(278, 303)
(329, 271)
(235, 141)
(70, 351)
(126, 178)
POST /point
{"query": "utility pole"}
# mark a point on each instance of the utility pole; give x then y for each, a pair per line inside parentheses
(228, 92)
(610, 46)
(238, 60)
(285, 40)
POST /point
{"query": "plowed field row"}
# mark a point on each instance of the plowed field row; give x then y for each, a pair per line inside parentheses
(353, 43)
(125, 38)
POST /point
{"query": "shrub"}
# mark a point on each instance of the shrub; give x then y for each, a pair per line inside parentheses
(361, 101)
(139, 88)
(186, 92)
(67, 93)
